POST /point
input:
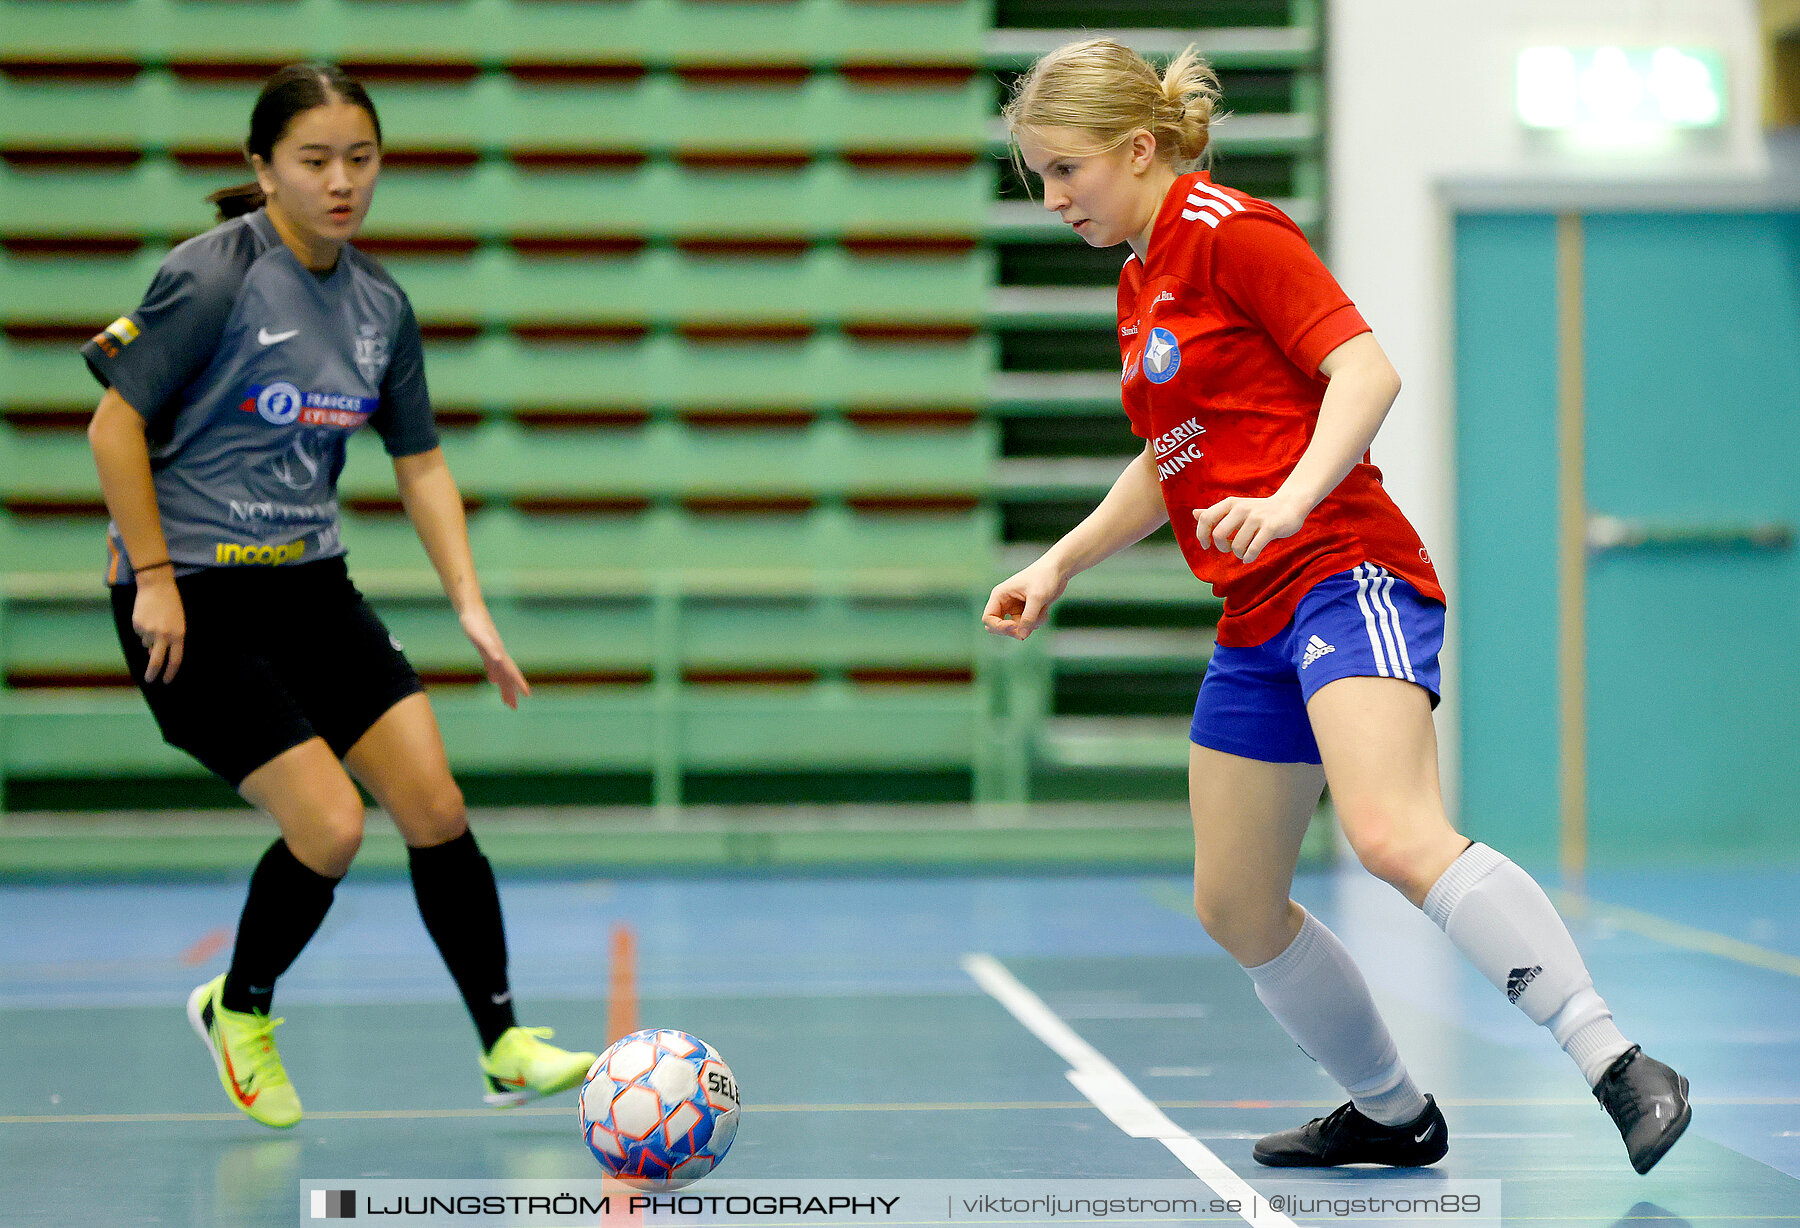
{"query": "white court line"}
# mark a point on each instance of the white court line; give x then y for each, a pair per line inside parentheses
(1115, 1095)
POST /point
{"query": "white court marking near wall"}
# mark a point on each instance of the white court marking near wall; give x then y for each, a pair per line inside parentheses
(1113, 1094)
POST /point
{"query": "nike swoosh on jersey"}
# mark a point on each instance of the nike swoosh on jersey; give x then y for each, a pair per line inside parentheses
(265, 337)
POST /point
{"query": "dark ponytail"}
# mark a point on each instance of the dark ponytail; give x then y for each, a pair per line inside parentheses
(237, 200)
(291, 91)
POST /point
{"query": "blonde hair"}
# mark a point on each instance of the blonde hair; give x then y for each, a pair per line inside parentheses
(1110, 91)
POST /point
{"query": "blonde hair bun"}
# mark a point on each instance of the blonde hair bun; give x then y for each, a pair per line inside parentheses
(1110, 91)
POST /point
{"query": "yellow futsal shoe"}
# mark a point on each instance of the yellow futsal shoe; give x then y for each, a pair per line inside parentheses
(522, 1067)
(243, 1048)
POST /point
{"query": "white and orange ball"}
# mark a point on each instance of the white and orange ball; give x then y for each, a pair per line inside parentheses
(659, 1109)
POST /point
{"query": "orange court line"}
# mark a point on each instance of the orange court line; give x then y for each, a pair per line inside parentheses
(621, 997)
(208, 945)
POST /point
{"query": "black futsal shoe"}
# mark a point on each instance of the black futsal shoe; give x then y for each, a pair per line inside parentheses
(1648, 1102)
(1347, 1137)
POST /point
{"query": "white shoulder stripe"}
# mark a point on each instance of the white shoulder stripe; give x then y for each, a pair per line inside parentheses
(1200, 202)
(1213, 192)
(1209, 205)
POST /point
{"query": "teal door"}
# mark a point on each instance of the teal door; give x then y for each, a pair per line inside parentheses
(1690, 405)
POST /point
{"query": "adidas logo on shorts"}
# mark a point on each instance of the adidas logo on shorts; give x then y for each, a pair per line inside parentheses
(1315, 648)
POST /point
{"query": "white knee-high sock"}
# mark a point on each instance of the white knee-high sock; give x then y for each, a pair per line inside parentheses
(1316, 992)
(1501, 919)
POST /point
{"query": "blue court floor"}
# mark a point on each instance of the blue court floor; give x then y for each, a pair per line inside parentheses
(865, 1049)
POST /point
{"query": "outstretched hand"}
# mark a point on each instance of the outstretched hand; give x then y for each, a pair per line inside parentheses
(502, 671)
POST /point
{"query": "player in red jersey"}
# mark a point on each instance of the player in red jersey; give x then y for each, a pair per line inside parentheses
(1257, 388)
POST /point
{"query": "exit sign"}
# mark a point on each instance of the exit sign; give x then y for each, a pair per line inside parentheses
(1621, 87)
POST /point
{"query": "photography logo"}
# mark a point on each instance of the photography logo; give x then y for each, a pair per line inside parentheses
(334, 1204)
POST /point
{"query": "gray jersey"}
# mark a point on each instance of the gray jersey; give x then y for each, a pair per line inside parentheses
(250, 373)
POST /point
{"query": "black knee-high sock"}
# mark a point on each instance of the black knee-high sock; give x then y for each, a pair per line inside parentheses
(286, 904)
(454, 885)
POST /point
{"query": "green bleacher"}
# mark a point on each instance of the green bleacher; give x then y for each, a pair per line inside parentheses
(754, 366)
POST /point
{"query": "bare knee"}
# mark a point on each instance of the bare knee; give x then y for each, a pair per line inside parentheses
(432, 816)
(1408, 856)
(327, 837)
(1252, 932)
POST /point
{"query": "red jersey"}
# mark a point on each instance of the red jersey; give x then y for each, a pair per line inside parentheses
(1222, 329)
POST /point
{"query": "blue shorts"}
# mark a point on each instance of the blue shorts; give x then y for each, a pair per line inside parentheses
(1362, 623)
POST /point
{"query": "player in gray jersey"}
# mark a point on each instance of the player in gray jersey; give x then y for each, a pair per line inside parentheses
(231, 391)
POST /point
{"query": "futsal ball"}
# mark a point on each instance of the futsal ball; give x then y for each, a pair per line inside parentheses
(659, 1109)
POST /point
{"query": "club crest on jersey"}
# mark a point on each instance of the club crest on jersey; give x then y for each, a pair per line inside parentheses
(371, 352)
(1162, 356)
(278, 403)
(301, 470)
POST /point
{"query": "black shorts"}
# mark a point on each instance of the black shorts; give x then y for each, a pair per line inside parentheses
(272, 657)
